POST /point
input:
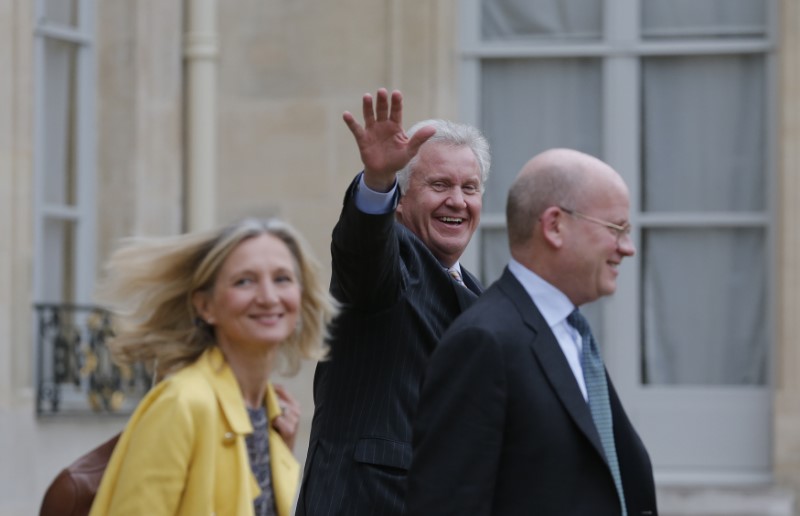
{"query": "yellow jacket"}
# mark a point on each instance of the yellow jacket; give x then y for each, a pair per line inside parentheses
(183, 450)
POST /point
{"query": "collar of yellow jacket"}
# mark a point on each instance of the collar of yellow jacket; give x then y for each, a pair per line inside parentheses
(226, 388)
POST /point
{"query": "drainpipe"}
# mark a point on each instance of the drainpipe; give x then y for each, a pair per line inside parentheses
(200, 50)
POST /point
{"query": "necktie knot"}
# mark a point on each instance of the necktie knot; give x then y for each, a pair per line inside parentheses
(453, 272)
(579, 322)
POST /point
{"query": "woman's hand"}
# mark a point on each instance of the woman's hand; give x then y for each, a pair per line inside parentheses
(288, 422)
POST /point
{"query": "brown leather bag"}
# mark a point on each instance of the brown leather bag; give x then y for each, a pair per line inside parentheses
(73, 490)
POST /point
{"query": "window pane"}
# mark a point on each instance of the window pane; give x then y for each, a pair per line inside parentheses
(495, 254)
(542, 19)
(704, 319)
(528, 106)
(703, 18)
(57, 261)
(58, 83)
(704, 134)
(61, 12)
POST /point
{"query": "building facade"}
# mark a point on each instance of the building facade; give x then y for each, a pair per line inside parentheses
(154, 117)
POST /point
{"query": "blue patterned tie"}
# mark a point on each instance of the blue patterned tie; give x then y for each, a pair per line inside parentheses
(594, 375)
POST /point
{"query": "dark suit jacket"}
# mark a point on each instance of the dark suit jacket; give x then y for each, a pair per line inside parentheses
(503, 429)
(397, 302)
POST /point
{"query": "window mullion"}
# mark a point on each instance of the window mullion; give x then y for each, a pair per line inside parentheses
(620, 144)
(85, 159)
(79, 210)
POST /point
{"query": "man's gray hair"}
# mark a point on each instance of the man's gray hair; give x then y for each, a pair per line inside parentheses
(457, 135)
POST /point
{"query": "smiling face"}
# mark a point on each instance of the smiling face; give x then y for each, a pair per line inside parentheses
(593, 251)
(254, 301)
(442, 204)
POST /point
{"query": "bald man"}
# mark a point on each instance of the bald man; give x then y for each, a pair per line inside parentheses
(517, 415)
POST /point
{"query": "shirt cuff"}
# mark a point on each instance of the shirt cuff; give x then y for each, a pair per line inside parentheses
(372, 202)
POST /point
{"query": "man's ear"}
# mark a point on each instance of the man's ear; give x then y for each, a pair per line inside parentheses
(552, 221)
(201, 301)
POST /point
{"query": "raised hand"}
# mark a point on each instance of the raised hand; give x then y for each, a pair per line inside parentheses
(384, 146)
(288, 422)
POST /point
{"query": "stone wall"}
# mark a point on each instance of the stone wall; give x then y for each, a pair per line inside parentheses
(787, 364)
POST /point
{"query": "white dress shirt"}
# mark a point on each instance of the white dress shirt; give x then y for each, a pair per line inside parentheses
(555, 307)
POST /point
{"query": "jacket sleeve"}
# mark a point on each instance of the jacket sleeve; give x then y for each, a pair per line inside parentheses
(458, 431)
(148, 470)
(365, 256)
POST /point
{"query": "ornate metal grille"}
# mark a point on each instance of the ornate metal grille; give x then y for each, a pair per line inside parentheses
(75, 374)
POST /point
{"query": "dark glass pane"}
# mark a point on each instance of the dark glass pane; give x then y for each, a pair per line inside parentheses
(704, 133)
(58, 261)
(704, 319)
(542, 19)
(528, 106)
(61, 12)
(58, 159)
(718, 19)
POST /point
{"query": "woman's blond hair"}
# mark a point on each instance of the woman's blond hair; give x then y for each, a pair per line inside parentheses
(150, 282)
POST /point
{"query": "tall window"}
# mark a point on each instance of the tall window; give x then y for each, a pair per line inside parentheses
(675, 95)
(64, 161)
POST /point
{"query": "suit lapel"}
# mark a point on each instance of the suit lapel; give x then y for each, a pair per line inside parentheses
(467, 296)
(548, 353)
(471, 282)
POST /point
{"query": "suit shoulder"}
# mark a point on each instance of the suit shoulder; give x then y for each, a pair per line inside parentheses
(493, 309)
(483, 323)
(495, 319)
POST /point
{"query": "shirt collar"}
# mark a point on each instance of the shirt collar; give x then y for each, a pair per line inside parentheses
(554, 305)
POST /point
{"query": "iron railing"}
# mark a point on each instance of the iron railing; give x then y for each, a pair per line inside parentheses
(75, 374)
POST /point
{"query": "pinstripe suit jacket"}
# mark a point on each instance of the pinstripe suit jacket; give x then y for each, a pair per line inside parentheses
(397, 302)
(503, 428)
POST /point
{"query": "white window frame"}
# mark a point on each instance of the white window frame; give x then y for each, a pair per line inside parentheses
(621, 51)
(83, 212)
(621, 96)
